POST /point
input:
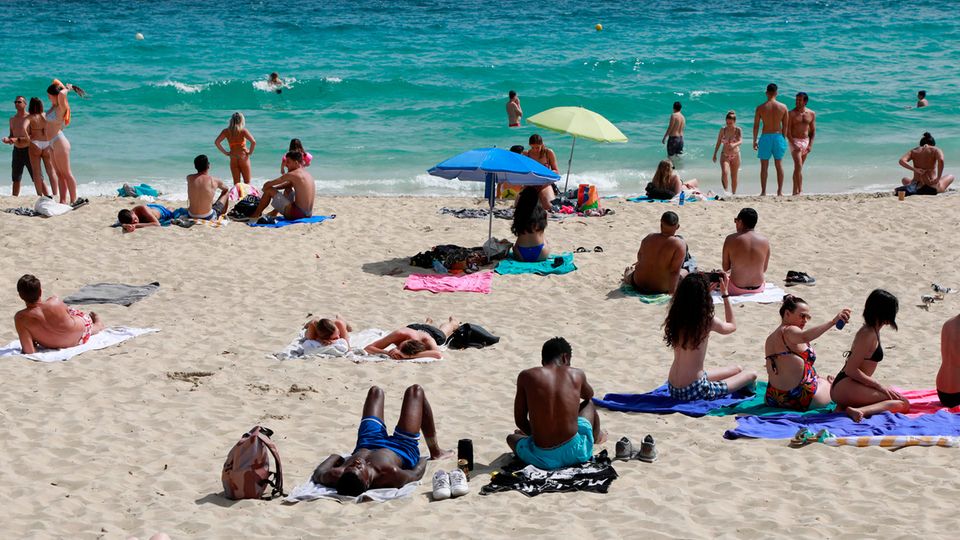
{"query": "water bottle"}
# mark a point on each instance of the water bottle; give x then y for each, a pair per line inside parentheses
(682, 197)
(840, 324)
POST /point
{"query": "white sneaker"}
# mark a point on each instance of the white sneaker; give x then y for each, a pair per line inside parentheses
(458, 483)
(441, 486)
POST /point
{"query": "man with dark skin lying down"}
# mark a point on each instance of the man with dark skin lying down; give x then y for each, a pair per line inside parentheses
(660, 259)
(556, 420)
(380, 460)
(50, 323)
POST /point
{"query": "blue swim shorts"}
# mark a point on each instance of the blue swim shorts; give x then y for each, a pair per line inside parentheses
(579, 449)
(773, 144)
(372, 435)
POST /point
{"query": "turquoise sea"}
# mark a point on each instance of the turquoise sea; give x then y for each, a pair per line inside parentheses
(381, 91)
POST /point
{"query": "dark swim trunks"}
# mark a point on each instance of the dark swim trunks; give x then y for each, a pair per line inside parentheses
(21, 160)
(949, 400)
(674, 146)
(431, 330)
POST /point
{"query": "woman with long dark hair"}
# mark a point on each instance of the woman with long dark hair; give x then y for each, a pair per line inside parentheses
(40, 149)
(529, 223)
(686, 330)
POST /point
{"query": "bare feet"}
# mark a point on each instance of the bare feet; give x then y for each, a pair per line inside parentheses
(441, 454)
(602, 439)
(855, 414)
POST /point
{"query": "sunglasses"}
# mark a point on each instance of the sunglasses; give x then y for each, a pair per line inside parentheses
(19, 101)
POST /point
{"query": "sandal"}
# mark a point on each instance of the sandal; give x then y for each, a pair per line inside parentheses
(802, 438)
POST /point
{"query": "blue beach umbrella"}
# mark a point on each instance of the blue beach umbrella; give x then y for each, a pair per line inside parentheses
(492, 166)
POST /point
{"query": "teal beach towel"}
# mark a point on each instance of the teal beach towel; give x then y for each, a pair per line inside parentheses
(543, 268)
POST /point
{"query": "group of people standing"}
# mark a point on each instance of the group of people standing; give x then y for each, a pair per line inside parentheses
(38, 140)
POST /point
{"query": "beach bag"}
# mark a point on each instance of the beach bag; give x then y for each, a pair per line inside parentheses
(471, 336)
(246, 472)
(244, 208)
(657, 193)
(587, 197)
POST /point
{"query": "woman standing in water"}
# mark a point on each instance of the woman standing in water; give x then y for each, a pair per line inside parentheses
(731, 137)
(57, 118)
(237, 136)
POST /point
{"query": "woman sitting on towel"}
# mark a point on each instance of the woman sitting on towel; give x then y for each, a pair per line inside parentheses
(529, 223)
(687, 329)
(667, 181)
(327, 331)
(854, 389)
(794, 383)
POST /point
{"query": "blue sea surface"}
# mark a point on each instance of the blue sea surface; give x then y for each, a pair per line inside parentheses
(381, 91)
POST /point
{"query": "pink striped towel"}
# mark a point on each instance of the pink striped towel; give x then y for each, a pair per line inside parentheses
(478, 282)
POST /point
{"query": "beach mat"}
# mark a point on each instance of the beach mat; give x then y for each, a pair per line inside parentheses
(478, 282)
(542, 268)
(111, 293)
(594, 476)
(786, 426)
(284, 223)
(656, 299)
(308, 491)
(101, 340)
(756, 406)
(659, 401)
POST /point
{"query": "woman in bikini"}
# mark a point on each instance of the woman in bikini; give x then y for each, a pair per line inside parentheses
(854, 389)
(793, 381)
(529, 223)
(731, 137)
(237, 136)
(667, 180)
(295, 146)
(40, 147)
(57, 118)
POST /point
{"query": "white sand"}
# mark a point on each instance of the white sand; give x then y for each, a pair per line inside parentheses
(111, 443)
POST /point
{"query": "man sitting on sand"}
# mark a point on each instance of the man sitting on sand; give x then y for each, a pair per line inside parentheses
(948, 378)
(659, 260)
(381, 460)
(297, 187)
(927, 168)
(145, 215)
(50, 324)
(746, 255)
(415, 341)
(556, 420)
(200, 192)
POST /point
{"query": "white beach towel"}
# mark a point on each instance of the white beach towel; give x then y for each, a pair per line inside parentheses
(308, 491)
(101, 340)
(46, 206)
(771, 295)
(308, 348)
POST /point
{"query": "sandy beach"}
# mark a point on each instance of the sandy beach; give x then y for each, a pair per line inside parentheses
(130, 440)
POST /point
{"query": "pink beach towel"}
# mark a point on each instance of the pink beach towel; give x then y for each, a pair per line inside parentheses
(924, 402)
(478, 282)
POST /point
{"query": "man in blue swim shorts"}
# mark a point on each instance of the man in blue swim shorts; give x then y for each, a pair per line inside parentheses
(381, 460)
(556, 420)
(776, 121)
(147, 215)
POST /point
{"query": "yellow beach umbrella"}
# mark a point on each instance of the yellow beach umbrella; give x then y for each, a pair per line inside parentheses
(578, 122)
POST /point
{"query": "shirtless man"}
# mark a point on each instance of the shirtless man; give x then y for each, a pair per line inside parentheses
(415, 341)
(922, 99)
(545, 156)
(557, 424)
(145, 215)
(803, 128)
(928, 178)
(19, 137)
(776, 123)
(298, 191)
(381, 460)
(673, 137)
(948, 378)
(200, 192)
(746, 255)
(514, 112)
(660, 259)
(50, 324)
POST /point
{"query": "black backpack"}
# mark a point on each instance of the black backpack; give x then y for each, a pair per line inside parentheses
(471, 336)
(657, 193)
(244, 208)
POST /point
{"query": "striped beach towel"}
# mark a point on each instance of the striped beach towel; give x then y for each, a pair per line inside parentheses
(894, 442)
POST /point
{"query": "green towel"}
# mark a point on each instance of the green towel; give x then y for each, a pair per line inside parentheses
(510, 266)
(662, 298)
(756, 406)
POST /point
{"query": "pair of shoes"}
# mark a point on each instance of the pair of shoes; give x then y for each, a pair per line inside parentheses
(447, 485)
(596, 249)
(804, 437)
(647, 453)
(798, 278)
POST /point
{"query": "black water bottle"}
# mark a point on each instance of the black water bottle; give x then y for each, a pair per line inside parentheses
(465, 451)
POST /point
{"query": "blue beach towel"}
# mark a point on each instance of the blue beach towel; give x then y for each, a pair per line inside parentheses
(141, 190)
(657, 299)
(659, 402)
(644, 198)
(283, 223)
(786, 426)
(510, 266)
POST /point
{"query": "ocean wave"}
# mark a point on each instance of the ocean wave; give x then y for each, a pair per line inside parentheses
(182, 88)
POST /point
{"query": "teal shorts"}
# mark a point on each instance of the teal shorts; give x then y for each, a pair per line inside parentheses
(771, 144)
(578, 450)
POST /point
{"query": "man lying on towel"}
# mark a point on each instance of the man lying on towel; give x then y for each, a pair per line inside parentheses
(292, 194)
(415, 341)
(556, 420)
(50, 324)
(381, 460)
(145, 215)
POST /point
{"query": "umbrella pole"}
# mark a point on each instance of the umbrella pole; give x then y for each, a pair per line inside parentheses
(493, 194)
(569, 163)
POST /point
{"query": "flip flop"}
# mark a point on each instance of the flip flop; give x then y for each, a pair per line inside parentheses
(802, 438)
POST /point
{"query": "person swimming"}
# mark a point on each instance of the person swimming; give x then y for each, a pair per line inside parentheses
(275, 82)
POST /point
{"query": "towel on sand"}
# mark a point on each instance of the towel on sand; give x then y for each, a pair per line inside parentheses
(283, 222)
(308, 491)
(785, 426)
(595, 475)
(476, 282)
(658, 299)
(894, 442)
(106, 338)
(771, 295)
(111, 293)
(511, 266)
(925, 401)
(307, 348)
(756, 406)
(659, 401)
